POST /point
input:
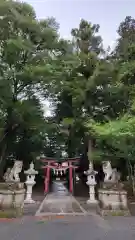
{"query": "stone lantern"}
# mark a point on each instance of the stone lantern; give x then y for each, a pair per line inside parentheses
(30, 182)
(91, 182)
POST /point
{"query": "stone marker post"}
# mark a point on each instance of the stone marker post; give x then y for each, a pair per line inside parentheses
(30, 182)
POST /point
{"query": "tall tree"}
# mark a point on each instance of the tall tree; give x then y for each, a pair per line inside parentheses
(26, 45)
(115, 138)
(79, 63)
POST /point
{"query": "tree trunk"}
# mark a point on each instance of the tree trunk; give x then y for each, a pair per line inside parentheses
(2, 161)
(8, 133)
(89, 150)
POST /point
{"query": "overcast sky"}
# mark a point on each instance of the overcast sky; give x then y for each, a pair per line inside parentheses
(107, 13)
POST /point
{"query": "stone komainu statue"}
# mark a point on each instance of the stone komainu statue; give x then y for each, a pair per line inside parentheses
(12, 174)
(111, 174)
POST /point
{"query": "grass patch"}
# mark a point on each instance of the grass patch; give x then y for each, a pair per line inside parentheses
(11, 213)
(11, 186)
(117, 213)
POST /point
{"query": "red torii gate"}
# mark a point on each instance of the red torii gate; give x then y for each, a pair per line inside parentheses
(52, 164)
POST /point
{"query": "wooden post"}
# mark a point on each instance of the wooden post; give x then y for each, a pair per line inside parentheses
(70, 177)
(47, 179)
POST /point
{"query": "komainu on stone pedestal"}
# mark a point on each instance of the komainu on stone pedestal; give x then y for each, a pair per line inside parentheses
(112, 197)
(12, 192)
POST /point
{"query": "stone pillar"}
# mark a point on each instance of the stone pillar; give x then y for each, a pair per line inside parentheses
(30, 182)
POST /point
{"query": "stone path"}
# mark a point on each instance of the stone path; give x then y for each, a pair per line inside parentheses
(56, 204)
(60, 202)
(30, 209)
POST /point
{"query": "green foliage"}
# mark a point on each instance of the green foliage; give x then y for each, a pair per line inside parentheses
(114, 139)
(91, 92)
(25, 48)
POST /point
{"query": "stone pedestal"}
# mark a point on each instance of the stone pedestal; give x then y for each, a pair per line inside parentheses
(11, 195)
(30, 182)
(11, 199)
(113, 202)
